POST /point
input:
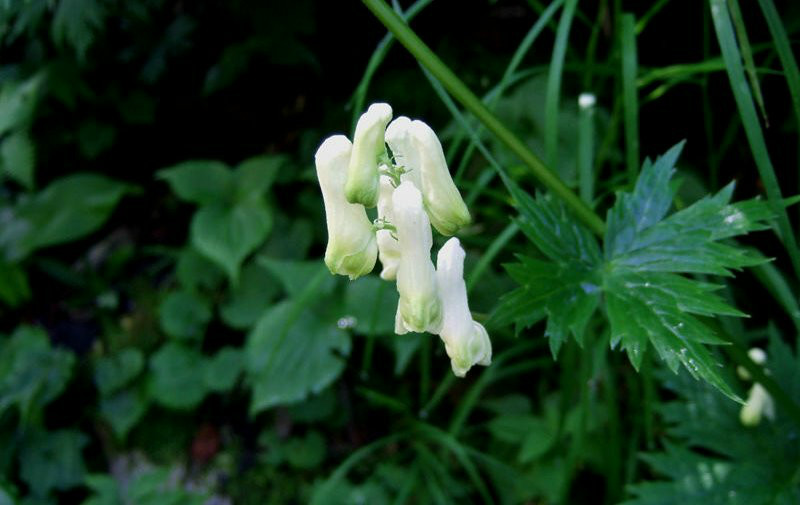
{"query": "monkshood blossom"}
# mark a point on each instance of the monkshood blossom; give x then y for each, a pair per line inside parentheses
(417, 150)
(465, 340)
(352, 249)
(368, 148)
(419, 308)
(759, 403)
(388, 248)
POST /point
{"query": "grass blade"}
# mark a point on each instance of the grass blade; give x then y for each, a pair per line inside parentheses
(630, 101)
(747, 55)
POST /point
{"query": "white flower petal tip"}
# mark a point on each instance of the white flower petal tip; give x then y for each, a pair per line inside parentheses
(398, 137)
(368, 146)
(586, 100)
(466, 341)
(388, 248)
(419, 308)
(352, 249)
(447, 210)
(759, 403)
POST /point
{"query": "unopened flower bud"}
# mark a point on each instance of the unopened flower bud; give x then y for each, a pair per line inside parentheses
(368, 146)
(419, 308)
(758, 403)
(466, 341)
(352, 247)
(447, 210)
(388, 248)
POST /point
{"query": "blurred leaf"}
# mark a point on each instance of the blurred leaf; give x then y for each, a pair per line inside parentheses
(290, 354)
(306, 452)
(94, 138)
(184, 315)
(53, 460)
(203, 182)
(250, 298)
(254, 176)
(227, 235)
(123, 409)
(32, 373)
(195, 271)
(14, 288)
(5, 497)
(540, 438)
(315, 408)
(177, 378)
(295, 276)
(18, 157)
(105, 490)
(17, 103)
(404, 347)
(373, 303)
(66, 210)
(291, 238)
(713, 458)
(223, 369)
(77, 22)
(156, 486)
(116, 370)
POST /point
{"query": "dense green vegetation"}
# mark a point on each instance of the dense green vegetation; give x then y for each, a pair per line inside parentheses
(170, 334)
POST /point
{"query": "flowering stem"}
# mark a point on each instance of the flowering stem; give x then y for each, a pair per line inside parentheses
(472, 103)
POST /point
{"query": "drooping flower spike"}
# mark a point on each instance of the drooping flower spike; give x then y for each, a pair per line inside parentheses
(352, 248)
(368, 147)
(465, 340)
(419, 308)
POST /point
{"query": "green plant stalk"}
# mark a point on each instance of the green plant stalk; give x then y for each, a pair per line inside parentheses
(630, 99)
(752, 128)
(747, 56)
(585, 153)
(473, 104)
(553, 93)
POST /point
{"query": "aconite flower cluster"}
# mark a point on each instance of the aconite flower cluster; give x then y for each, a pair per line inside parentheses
(412, 190)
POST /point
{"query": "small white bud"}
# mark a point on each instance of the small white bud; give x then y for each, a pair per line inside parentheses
(586, 100)
(388, 248)
(419, 308)
(368, 146)
(466, 341)
(758, 356)
(758, 403)
(352, 247)
(447, 210)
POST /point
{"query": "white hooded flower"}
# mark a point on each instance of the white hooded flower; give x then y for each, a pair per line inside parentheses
(388, 248)
(352, 247)
(446, 208)
(758, 403)
(398, 136)
(419, 308)
(466, 341)
(368, 146)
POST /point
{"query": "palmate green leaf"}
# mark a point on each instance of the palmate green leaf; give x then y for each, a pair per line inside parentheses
(713, 459)
(647, 300)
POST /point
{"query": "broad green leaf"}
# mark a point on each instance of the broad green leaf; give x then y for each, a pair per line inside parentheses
(203, 182)
(104, 488)
(52, 460)
(66, 210)
(116, 370)
(195, 271)
(226, 235)
(177, 378)
(17, 102)
(254, 176)
(18, 156)
(184, 315)
(223, 369)
(290, 353)
(32, 372)
(295, 276)
(248, 300)
(370, 305)
(306, 452)
(77, 22)
(123, 409)
(14, 288)
(315, 408)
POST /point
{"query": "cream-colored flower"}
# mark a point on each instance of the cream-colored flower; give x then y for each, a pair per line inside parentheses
(388, 248)
(398, 136)
(368, 147)
(446, 209)
(352, 248)
(466, 341)
(419, 308)
(759, 403)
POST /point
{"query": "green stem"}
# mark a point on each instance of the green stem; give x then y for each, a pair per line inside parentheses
(472, 103)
